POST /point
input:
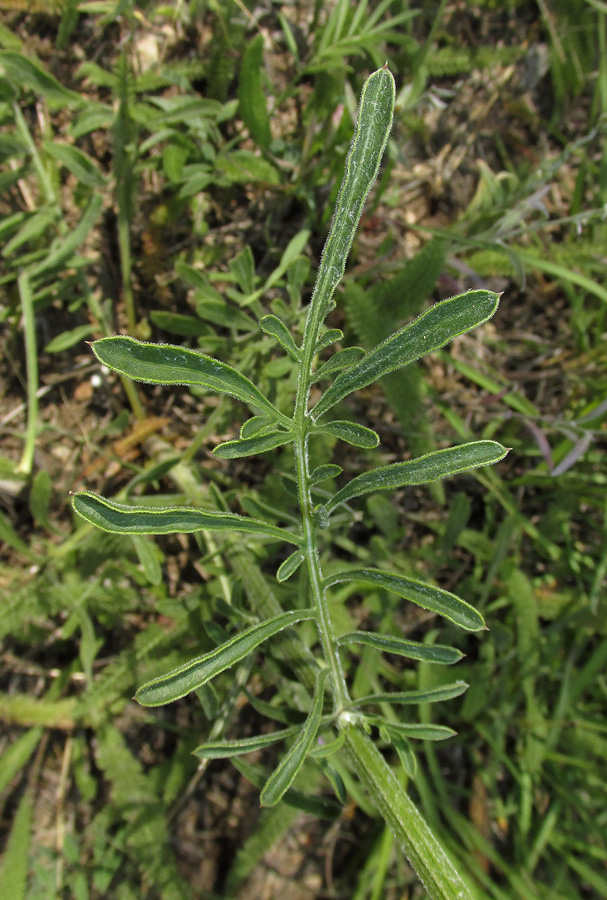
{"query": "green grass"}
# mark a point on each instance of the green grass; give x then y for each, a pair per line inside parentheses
(137, 192)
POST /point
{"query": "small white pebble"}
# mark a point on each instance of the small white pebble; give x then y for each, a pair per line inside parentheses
(96, 380)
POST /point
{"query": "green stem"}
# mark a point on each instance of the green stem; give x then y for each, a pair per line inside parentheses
(310, 550)
(31, 361)
(424, 852)
(126, 263)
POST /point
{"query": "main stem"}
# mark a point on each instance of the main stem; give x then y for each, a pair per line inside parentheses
(310, 551)
(310, 545)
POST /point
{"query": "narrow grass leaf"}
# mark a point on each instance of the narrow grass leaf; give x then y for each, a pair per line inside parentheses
(77, 162)
(249, 446)
(119, 518)
(23, 71)
(425, 595)
(433, 329)
(423, 470)
(197, 672)
(252, 102)
(68, 338)
(433, 653)
(168, 364)
(283, 776)
(228, 749)
(276, 328)
(343, 359)
(433, 695)
(62, 248)
(290, 565)
(350, 433)
(13, 875)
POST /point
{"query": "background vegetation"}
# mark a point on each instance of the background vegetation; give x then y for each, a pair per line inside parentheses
(168, 171)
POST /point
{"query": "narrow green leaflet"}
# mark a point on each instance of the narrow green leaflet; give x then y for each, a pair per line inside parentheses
(168, 364)
(425, 595)
(373, 126)
(323, 473)
(254, 426)
(327, 338)
(423, 470)
(122, 519)
(249, 446)
(322, 750)
(433, 653)
(291, 763)
(275, 327)
(193, 674)
(433, 695)
(290, 565)
(420, 732)
(433, 329)
(321, 807)
(343, 359)
(405, 752)
(228, 749)
(424, 852)
(351, 433)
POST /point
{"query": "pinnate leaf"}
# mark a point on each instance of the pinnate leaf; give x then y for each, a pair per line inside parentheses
(193, 674)
(119, 518)
(425, 595)
(433, 329)
(282, 778)
(169, 364)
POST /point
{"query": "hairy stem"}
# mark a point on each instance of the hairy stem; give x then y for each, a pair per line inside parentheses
(310, 551)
